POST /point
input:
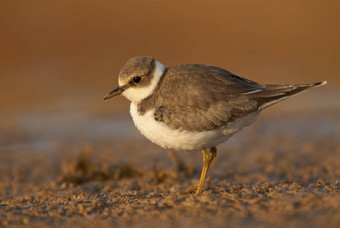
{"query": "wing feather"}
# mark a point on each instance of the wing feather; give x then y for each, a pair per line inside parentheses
(198, 97)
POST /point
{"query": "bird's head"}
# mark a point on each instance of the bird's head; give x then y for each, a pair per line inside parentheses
(138, 78)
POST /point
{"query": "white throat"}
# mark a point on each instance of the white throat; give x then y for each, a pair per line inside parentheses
(137, 94)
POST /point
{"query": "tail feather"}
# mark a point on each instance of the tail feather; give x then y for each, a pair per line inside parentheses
(272, 94)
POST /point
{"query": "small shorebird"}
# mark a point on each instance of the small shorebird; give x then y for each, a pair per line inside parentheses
(194, 106)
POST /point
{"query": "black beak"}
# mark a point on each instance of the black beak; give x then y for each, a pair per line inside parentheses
(114, 92)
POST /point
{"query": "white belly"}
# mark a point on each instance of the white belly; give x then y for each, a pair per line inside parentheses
(179, 140)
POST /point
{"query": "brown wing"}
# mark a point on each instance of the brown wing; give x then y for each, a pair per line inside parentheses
(200, 97)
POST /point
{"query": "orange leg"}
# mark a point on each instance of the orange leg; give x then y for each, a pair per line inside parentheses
(207, 159)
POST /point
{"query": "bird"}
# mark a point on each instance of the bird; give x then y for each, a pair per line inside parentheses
(194, 107)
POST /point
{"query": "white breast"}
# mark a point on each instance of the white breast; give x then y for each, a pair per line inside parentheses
(178, 140)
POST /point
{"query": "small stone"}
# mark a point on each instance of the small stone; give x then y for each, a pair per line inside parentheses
(63, 186)
(26, 221)
(320, 183)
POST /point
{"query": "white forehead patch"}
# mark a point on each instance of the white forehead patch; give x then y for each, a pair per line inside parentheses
(137, 94)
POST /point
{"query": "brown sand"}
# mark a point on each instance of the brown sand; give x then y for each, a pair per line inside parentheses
(284, 171)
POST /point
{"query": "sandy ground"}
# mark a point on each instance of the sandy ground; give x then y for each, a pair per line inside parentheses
(96, 170)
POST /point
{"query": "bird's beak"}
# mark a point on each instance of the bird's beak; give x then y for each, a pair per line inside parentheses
(114, 92)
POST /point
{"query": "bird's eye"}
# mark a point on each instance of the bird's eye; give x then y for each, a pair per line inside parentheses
(136, 79)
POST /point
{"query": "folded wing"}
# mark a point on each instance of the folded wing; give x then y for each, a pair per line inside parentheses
(206, 97)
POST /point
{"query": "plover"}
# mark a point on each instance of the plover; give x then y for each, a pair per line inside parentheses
(194, 107)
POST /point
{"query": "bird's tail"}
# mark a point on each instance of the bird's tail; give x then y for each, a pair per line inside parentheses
(272, 94)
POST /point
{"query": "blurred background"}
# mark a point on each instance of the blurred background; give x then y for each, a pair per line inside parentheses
(59, 58)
